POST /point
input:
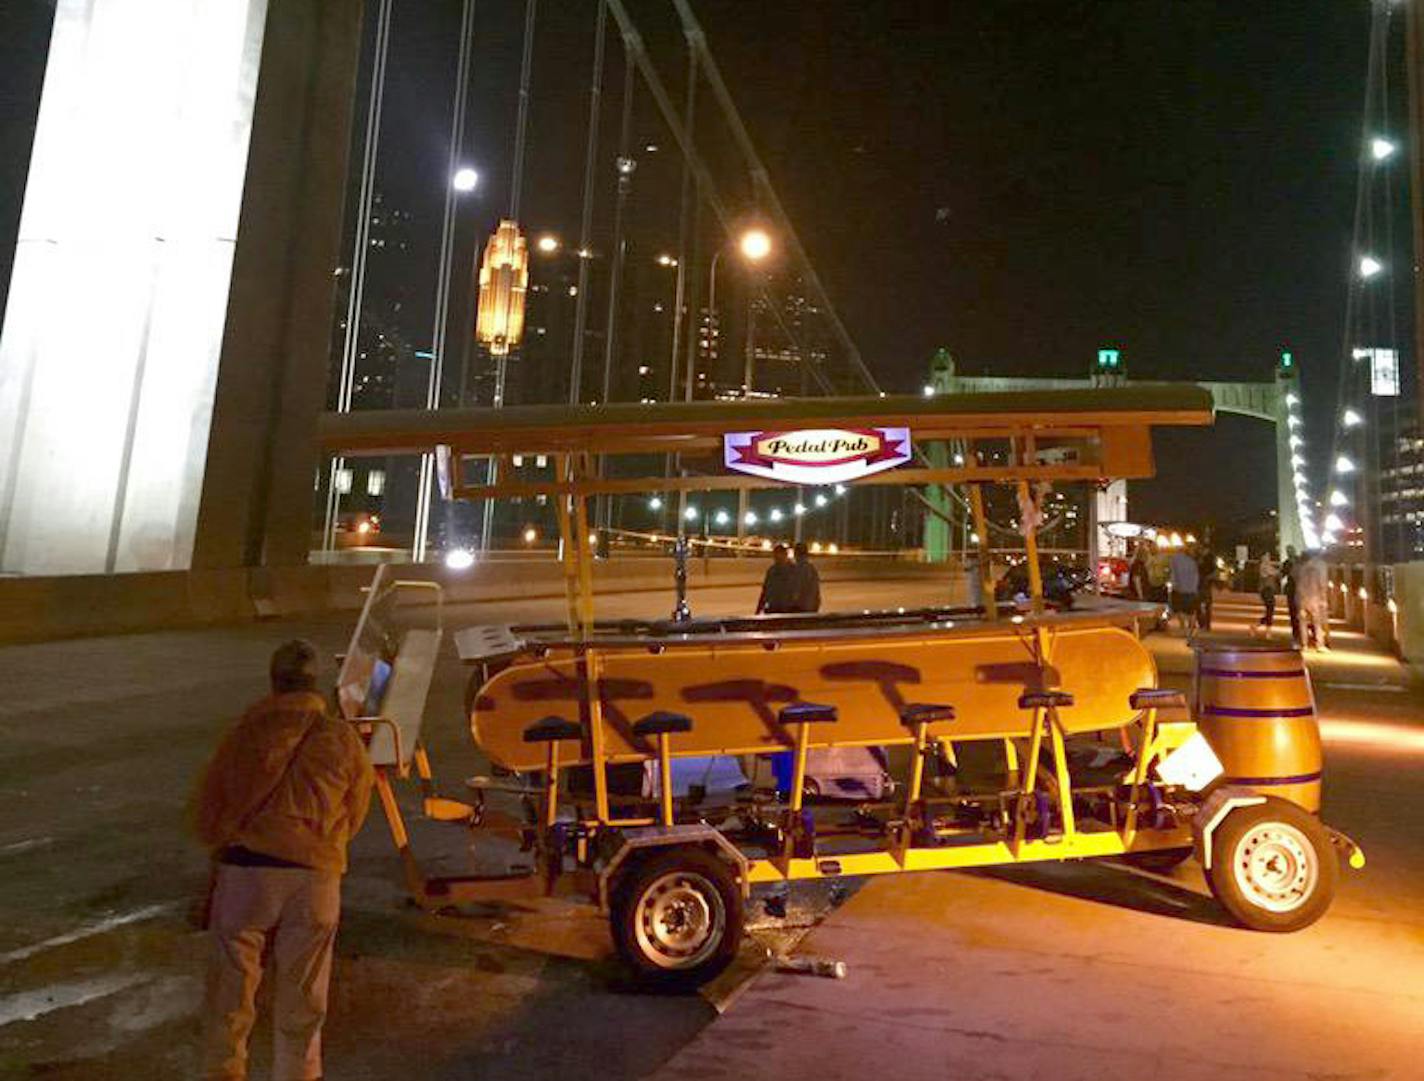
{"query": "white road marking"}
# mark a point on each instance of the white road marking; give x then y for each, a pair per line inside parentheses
(87, 931)
(25, 846)
(1387, 688)
(29, 1005)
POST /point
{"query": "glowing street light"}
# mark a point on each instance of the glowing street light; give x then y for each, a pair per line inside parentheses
(1291, 399)
(459, 559)
(1381, 148)
(465, 179)
(1293, 421)
(1369, 266)
(531, 535)
(721, 517)
(1344, 465)
(655, 503)
(799, 509)
(820, 500)
(1338, 498)
(750, 517)
(1297, 461)
(775, 516)
(1351, 419)
(666, 260)
(755, 244)
(928, 391)
(548, 243)
(1296, 441)
(690, 514)
(1333, 523)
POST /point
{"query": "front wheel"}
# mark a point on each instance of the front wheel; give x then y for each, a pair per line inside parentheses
(1273, 866)
(677, 918)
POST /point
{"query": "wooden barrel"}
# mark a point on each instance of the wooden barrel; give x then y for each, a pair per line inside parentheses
(1255, 707)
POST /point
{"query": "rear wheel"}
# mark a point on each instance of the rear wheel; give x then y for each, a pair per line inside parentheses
(1273, 866)
(677, 918)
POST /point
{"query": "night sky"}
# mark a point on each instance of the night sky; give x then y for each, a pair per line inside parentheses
(1020, 182)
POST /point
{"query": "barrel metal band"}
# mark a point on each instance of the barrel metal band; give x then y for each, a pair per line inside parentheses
(1258, 714)
(1229, 673)
(1302, 778)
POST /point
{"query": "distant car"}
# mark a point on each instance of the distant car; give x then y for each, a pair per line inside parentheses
(1113, 575)
(356, 529)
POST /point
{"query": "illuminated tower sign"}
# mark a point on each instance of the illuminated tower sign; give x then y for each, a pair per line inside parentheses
(504, 280)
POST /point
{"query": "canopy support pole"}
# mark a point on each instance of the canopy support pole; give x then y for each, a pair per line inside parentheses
(986, 566)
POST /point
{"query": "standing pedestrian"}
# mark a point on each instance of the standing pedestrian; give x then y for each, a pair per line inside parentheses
(1138, 584)
(280, 801)
(1313, 598)
(1289, 571)
(779, 586)
(1269, 580)
(1183, 581)
(808, 590)
(1206, 578)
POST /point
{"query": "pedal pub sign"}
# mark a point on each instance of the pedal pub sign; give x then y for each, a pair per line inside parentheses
(817, 455)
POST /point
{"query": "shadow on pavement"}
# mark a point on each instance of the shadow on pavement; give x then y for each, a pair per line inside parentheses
(1113, 884)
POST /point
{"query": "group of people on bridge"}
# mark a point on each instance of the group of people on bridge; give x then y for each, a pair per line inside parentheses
(791, 584)
(1305, 582)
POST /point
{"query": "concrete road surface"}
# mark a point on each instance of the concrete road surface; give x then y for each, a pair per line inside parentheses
(1085, 971)
(1054, 972)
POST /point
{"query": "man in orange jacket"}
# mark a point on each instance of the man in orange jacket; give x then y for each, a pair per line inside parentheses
(280, 801)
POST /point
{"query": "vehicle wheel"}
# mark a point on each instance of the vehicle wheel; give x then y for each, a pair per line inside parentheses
(1161, 862)
(677, 918)
(1273, 866)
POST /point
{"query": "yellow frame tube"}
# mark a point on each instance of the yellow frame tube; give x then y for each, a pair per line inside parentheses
(887, 861)
(1139, 775)
(986, 558)
(1029, 780)
(551, 787)
(1060, 773)
(665, 778)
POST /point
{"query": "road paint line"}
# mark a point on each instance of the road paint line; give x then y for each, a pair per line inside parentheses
(31, 1005)
(25, 846)
(89, 930)
(1386, 688)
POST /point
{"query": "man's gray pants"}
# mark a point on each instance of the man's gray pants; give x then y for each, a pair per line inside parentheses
(295, 911)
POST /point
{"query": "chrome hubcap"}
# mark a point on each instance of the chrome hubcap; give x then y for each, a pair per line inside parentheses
(680, 920)
(1276, 868)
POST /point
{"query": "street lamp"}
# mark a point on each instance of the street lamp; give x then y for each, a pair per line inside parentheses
(1381, 148)
(464, 179)
(666, 260)
(1369, 266)
(754, 246)
(548, 243)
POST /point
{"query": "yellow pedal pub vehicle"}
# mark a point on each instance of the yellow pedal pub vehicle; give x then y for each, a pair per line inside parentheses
(1019, 734)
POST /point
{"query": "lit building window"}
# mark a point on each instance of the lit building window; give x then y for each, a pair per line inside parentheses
(343, 481)
(375, 482)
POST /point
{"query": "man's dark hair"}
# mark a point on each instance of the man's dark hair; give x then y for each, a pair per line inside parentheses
(801, 551)
(293, 666)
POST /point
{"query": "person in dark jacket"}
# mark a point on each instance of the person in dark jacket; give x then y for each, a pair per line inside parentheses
(808, 594)
(780, 589)
(1289, 570)
(1206, 570)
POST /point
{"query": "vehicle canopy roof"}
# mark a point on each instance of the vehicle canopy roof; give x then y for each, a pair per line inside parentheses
(1051, 435)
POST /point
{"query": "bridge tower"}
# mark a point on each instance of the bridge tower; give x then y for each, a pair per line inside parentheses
(1276, 402)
